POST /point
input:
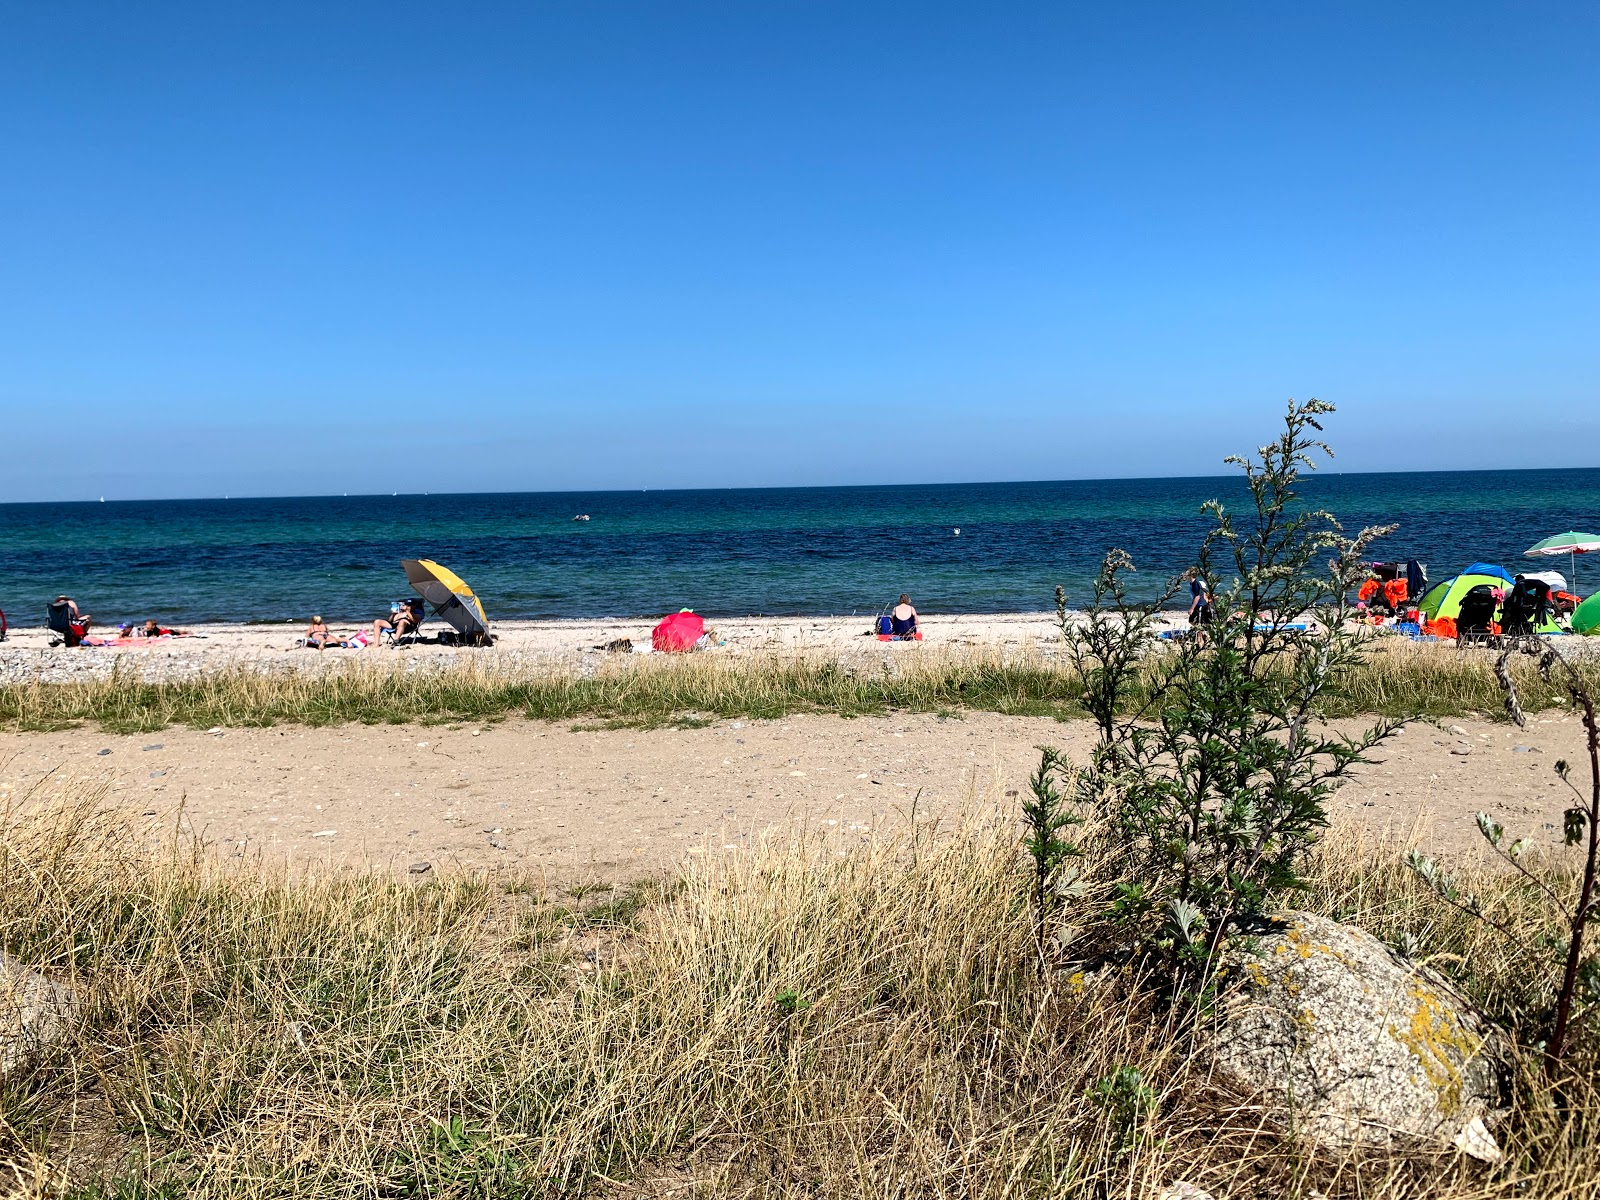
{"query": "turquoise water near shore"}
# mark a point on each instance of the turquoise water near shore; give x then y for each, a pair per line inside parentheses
(794, 551)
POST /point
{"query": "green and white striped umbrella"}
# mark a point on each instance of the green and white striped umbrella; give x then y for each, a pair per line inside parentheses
(1568, 543)
(1571, 543)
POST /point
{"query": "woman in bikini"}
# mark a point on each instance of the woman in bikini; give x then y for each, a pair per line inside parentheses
(405, 617)
(318, 634)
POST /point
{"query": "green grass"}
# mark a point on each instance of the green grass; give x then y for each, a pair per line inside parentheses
(692, 691)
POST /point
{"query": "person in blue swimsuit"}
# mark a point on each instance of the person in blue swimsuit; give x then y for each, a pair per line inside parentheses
(903, 618)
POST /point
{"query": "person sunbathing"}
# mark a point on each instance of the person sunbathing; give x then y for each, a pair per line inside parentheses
(403, 619)
(154, 629)
(318, 634)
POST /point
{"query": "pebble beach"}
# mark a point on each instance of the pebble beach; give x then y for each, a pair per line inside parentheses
(27, 656)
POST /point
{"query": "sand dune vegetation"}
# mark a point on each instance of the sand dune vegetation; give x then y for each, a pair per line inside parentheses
(797, 1021)
(1394, 680)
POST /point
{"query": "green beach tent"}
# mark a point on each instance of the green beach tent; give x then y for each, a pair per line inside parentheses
(1443, 599)
(1586, 617)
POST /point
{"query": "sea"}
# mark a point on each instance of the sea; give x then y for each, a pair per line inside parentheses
(969, 548)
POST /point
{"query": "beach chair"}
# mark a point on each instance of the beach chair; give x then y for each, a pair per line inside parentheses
(1527, 607)
(1475, 623)
(413, 635)
(59, 618)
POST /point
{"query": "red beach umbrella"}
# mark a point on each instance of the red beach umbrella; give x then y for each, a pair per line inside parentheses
(678, 633)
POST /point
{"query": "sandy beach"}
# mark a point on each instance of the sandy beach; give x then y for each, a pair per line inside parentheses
(617, 803)
(27, 654)
(576, 800)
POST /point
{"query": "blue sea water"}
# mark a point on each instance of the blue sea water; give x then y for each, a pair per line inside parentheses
(721, 552)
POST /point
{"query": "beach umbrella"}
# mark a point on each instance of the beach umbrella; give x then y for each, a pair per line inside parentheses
(678, 633)
(450, 597)
(1571, 543)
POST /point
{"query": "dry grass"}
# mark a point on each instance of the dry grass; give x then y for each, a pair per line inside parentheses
(1403, 678)
(793, 1022)
(647, 691)
(1396, 680)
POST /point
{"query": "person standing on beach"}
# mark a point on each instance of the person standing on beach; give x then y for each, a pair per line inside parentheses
(1199, 600)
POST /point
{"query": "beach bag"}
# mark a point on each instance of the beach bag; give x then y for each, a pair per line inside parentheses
(360, 642)
(885, 625)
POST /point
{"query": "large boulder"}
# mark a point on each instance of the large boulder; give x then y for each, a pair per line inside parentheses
(33, 1012)
(1354, 1046)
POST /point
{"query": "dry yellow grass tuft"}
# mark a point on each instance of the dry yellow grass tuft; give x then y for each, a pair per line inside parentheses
(800, 1020)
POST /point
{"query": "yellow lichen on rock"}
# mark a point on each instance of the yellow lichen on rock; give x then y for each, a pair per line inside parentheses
(1439, 1043)
(1351, 1044)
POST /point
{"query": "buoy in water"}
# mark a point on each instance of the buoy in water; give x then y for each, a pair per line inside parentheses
(956, 532)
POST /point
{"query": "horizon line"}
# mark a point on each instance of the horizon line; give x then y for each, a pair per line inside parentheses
(793, 487)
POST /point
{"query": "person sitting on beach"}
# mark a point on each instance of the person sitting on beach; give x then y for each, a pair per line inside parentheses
(404, 617)
(318, 634)
(65, 619)
(903, 618)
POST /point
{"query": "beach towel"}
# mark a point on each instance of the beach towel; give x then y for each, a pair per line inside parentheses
(130, 643)
(1176, 635)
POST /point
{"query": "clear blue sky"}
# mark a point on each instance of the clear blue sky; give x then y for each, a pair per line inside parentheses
(284, 249)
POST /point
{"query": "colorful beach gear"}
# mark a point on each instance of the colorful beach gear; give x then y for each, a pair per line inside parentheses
(452, 600)
(1571, 544)
(1586, 617)
(1482, 568)
(1444, 598)
(678, 633)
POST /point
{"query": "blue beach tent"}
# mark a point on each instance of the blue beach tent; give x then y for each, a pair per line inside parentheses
(1490, 569)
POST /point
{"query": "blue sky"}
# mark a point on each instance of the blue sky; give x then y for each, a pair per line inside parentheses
(290, 249)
